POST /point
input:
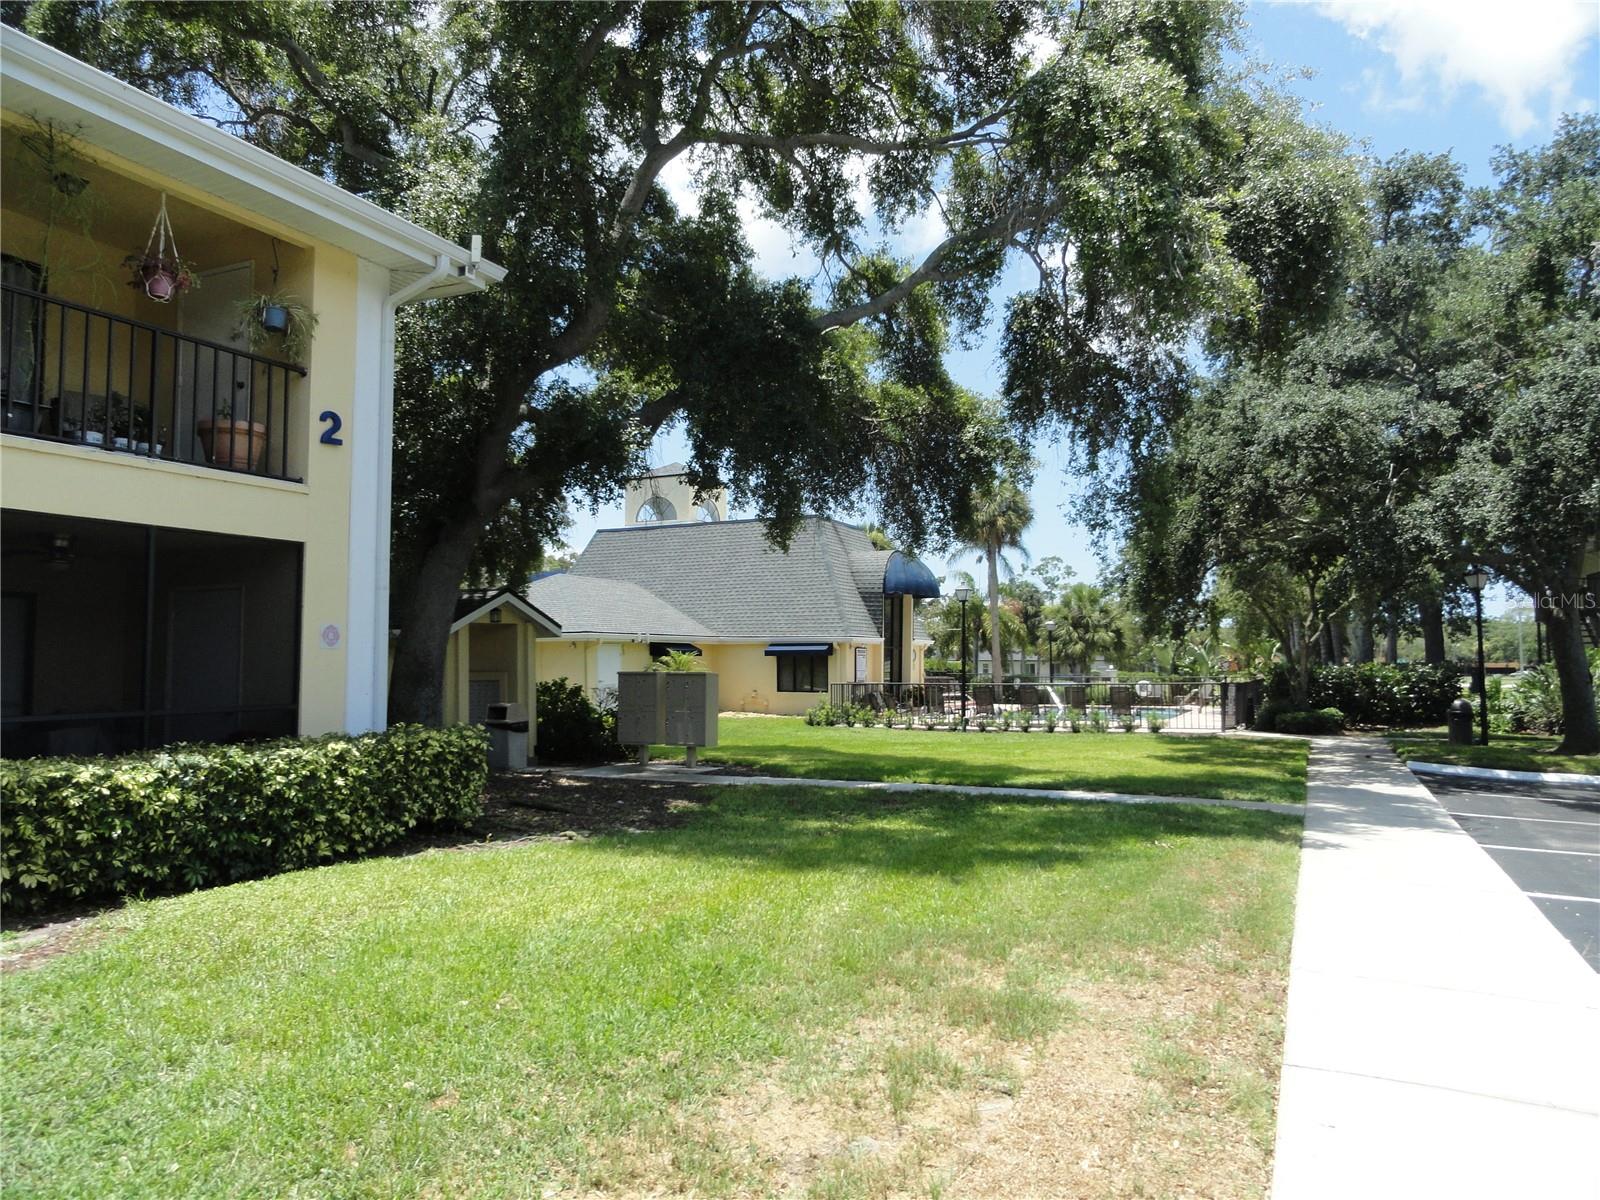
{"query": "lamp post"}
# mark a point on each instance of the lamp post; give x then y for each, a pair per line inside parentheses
(1050, 647)
(1477, 580)
(963, 594)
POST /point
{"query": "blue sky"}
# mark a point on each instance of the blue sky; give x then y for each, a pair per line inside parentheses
(1457, 76)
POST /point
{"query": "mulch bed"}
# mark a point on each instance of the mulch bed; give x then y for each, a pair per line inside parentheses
(542, 806)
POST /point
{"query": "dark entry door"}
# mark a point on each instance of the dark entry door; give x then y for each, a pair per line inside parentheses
(205, 647)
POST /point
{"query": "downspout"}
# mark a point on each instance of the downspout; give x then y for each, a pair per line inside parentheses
(441, 270)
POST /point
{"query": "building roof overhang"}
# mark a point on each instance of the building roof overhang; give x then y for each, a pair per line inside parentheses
(474, 607)
(105, 112)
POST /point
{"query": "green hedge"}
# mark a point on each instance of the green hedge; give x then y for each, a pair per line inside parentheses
(1317, 720)
(1383, 694)
(193, 816)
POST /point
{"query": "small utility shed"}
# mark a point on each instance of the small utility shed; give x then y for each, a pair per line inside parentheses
(491, 656)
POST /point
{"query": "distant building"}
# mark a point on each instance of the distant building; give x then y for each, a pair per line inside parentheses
(666, 495)
(777, 626)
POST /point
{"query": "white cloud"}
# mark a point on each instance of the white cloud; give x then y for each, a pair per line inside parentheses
(1523, 54)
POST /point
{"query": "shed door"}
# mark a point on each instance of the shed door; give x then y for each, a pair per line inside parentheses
(480, 694)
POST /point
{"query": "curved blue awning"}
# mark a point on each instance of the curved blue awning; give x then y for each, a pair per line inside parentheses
(800, 648)
(905, 576)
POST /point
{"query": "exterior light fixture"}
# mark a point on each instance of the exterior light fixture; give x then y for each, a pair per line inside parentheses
(963, 594)
(1477, 579)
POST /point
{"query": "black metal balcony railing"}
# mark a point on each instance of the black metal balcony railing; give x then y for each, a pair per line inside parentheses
(71, 373)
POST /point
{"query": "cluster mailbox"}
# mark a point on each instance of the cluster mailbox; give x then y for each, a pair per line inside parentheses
(666, 708)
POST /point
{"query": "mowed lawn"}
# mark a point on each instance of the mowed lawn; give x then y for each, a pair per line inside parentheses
(1505, 752)
(1226, 768)
(797, 991)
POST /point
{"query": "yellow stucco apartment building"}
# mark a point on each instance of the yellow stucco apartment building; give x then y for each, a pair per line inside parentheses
(195, 528)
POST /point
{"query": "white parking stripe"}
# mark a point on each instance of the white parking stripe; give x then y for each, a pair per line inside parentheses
(1513, 795)
(1539, 820)
(1558, 896)
(1542, 850)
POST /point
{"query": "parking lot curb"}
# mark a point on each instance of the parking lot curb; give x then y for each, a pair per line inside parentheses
(1544, 778)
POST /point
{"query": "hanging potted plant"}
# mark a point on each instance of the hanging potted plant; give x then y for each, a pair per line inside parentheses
(159, 270)
(268, 318)
(275, 317)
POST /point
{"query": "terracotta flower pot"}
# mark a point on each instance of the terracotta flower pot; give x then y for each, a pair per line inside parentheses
(237, 444)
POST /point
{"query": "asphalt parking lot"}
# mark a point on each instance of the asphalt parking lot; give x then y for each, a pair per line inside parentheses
(1546, 838)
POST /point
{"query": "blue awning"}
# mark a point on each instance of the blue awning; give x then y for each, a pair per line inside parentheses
(800, 648)
(904, 576)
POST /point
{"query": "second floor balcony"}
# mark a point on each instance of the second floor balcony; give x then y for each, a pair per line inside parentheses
(77, 374)
(98, 350)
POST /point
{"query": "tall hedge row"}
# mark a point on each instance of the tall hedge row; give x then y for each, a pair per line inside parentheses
(193, 816)
(1377, 693)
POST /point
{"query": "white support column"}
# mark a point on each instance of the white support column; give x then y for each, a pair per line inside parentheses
(367, 436)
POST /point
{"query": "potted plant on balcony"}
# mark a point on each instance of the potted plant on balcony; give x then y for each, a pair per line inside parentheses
(239, 445)
(281, 317)
(159, 269)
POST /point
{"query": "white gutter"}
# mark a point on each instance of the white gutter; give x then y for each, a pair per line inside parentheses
(442, 267)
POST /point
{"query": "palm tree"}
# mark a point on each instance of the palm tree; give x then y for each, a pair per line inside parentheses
(1000, 513)
(1086, 625)
(944, 623)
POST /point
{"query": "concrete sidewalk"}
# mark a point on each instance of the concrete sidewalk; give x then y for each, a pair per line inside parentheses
(1443, 1039)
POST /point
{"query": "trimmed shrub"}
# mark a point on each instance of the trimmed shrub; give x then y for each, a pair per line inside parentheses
(195, 816)
(1526, 703)
(822, 713)
(571, 728)
(1318, 720)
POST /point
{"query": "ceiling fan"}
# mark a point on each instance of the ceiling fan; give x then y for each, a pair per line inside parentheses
(55, 549)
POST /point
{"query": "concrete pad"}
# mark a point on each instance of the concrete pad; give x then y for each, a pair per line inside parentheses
(1375, 1139)
(1442, 1038)
(1452, 1039)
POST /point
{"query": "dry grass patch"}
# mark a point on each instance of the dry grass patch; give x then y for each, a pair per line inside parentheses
(1155, 1081)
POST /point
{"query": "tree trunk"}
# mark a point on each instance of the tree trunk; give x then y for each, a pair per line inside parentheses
(1361, 648)
(1391, 641)
(996, 667)
(1432, 616)
(1580, 724)
(426, 609)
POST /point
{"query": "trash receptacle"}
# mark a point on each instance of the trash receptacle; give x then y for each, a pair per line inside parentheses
(1459, 721)
(508, 737)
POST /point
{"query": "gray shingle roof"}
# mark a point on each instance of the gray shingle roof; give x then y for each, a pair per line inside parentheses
(588, 604)
(726, 577)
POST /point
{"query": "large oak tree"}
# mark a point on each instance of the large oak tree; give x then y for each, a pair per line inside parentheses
(1157, 194)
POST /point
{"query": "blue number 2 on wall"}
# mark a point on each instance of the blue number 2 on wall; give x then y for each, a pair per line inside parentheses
(330, 435)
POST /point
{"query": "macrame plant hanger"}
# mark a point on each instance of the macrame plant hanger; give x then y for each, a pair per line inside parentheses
(161, 237)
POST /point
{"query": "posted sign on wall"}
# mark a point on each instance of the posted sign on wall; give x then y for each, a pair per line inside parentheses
(861, 664)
